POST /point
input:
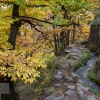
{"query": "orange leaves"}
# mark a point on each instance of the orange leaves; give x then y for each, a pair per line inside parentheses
(24, 41)
(85, 29)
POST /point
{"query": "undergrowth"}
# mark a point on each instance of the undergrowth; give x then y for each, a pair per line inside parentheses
(81, 61)
(91, 74)
(35, 89)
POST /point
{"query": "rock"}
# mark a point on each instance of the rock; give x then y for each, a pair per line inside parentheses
(69, 47)
(91, 97)
(58, 76)
(70, 92)
(57, 84)
(67, 51)
(74, 57)
(60, 81)
(78, 84)
(85, 88)
(65, 84)
(59, 72)
(69, 79)
(75, 54)
(81, 95)
(74, 75)
(63, 66)
(66, 75)
(67, 98)
(79, 88)
(81, 48)
(59, 98)
(80, 81)
(51, 97)
(72, 87)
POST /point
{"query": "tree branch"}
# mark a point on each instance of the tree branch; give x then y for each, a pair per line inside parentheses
(71, 23)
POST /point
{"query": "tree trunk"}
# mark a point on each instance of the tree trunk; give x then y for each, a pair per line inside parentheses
(67, 37)
(55, 45)
(73, 34)
(14, 26)
(13, 34)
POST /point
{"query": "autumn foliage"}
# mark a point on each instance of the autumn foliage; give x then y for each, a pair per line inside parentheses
(37, 22)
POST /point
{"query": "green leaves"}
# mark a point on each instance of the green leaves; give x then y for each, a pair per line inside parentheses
(60, 21)
(19, 2)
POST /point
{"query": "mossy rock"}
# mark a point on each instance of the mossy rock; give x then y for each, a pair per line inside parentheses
(81, 61)
(98, 81)
(92, 46)
(98, 51)
(94, 73)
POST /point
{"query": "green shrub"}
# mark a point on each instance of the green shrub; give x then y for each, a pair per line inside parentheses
(68, 56)
(95, 91)
(81, 61)
(91, 74)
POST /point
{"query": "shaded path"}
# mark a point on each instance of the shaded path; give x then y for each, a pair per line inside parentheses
(66, 85)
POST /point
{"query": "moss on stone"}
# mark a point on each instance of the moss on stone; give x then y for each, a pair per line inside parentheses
(94, 73)
(81, 61)
(92, 46)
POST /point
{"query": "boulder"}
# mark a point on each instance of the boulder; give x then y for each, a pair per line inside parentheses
(97, 71)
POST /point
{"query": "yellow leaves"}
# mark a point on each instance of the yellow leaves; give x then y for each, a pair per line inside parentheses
(9, 75)
(2, 68)
(4, 45)
(21, 66)
(3, 71)
(85, 29)
(91, 16)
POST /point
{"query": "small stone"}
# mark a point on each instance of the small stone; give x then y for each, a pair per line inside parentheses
(91, 97)
(80, 92)
(85, 88)
(68, 51)
(59, 72)
(74, 57)
(74, 75)
(65, 84)
(61, 81)
(70, 92)
(59, 98)
(79, 88)
(71, 87)
(78, 84)
(63, 66)
(53, 95)
(68, 78)
(58, 77)
(80, 81)
(57, 84)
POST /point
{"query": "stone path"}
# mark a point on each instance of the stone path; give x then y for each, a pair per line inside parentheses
(66, 85)
(83, 71)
